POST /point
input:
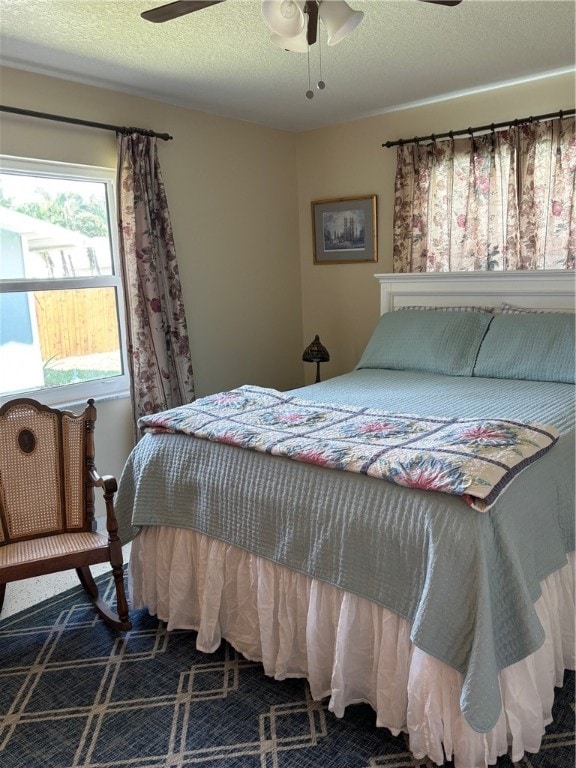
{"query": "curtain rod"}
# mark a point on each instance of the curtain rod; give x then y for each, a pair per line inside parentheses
(89, 123)
(492, 127)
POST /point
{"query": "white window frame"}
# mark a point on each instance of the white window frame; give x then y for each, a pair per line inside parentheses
(99, 389)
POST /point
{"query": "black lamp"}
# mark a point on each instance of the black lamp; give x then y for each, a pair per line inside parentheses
(317, 353)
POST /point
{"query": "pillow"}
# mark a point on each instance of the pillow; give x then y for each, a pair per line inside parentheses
(535, 346)
(487, 310)
(426, 340)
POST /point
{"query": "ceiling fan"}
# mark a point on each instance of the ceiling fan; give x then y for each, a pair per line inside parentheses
(286, 18)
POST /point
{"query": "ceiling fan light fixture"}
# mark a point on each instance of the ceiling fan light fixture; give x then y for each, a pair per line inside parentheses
(284, 17)
(296, 44)
(339, 19)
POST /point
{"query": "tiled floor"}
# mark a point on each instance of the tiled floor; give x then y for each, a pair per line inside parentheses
(23, 594)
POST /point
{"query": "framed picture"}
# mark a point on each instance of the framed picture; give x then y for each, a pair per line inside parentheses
(344, 230)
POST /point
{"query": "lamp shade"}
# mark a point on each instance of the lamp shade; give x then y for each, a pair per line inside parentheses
(297, 44)
(316, 352)
(339, 19)
(284, 17)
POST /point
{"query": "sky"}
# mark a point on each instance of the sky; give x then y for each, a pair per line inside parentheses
(22, 187)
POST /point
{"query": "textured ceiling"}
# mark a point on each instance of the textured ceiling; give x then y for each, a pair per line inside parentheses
(220, 59)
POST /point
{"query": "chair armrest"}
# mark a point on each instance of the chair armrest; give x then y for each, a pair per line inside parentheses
(106, 482)
(110, 486)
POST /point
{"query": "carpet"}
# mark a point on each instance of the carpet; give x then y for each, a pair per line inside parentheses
(75, 695)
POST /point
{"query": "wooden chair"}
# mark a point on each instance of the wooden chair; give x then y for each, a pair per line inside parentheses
(47, 481)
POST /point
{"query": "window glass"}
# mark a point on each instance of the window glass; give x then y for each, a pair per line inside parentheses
(53, 227)
(61, 312)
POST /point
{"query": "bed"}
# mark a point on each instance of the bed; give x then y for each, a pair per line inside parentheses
(450, 612)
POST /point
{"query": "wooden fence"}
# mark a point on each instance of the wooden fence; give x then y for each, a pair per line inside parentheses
(77, 322)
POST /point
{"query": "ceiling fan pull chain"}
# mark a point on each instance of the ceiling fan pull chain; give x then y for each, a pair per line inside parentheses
(320, 84)
(309, 92)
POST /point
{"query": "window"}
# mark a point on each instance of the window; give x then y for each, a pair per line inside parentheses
(61, 303)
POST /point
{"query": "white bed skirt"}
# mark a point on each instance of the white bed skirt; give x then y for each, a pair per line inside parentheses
(350, 649)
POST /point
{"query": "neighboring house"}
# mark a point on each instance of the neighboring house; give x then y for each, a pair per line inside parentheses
(35, 249)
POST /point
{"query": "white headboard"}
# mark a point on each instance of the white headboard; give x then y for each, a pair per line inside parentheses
(552, 290)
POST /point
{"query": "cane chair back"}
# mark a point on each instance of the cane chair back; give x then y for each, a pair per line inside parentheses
(47, 482)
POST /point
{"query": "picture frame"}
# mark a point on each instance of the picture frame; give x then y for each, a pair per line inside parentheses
(344, 230)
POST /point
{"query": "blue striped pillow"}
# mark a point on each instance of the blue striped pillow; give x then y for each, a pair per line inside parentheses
(426, 340)
(536, 346)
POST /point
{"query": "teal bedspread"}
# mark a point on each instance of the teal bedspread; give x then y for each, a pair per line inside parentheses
(467, 582)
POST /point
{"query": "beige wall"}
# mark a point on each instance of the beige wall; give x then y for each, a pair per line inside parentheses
(231, 187)
(341, 302)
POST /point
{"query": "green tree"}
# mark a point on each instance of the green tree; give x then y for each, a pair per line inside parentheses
(67, 209)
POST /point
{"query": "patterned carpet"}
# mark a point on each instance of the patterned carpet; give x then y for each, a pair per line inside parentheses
(74, 695)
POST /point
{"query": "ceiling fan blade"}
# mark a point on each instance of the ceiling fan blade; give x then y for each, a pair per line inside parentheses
(443, 2)
(311, 9)
(176, 9)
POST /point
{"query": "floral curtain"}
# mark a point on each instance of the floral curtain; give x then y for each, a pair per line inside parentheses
(548, 194)
(158, 347)
(457, 201)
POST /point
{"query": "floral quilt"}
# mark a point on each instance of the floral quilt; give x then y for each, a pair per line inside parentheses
(474, 459)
